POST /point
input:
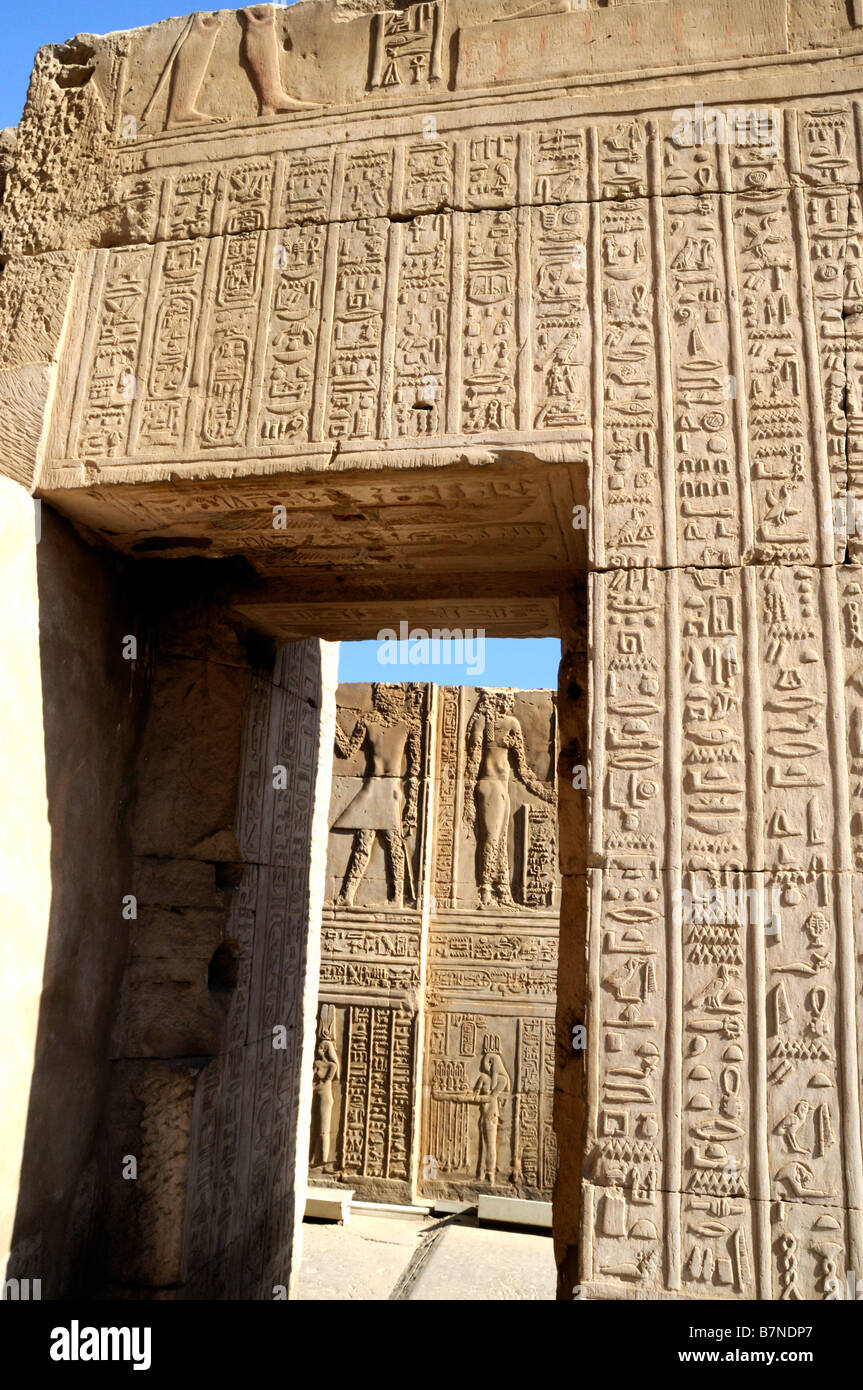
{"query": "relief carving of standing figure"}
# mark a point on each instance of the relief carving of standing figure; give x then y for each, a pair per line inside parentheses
(261, 52)
(392, 735)
(326, 1072)
(494, 735)
(493, 1088)
(189, 62)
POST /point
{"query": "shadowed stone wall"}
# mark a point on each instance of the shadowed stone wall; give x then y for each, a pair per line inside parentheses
(73, 712)
(216, 1021)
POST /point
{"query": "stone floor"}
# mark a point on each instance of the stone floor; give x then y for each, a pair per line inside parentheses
(400, 1256)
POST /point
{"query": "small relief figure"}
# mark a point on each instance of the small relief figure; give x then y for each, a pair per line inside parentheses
(493, 734)
(721, 994)
(493, 1088)
(391, 734)
(789, 1127)
(326, 1072)
(261, 53)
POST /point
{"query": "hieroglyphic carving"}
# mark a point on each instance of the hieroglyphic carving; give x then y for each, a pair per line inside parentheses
(825, 140)
(370, 977)
(407, 45)
(708, 343)
(561, 385)
(367, 186)
(492, 177)
(375, 1138)
(163, 404)
(307, 187)
(631, 498)
(425, 325)
(713, 781)
(559, 164)
(795, 698)
(421, 326)
(365, 1072)
(444, 879)
(289, 370)
(852, 314)
(192, 204)
(763, 925)
(109, 384)
(428, 175)
(355, 364)
(632, 708)
(488, 1068)
(710, 498)
(625, 1217)
(785, 494)
(488, 401)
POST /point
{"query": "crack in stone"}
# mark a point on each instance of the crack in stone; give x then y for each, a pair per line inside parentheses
(445, 208)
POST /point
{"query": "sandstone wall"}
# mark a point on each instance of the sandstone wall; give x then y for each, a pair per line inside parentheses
(437, 312)
(72, 716)
(216, 1020)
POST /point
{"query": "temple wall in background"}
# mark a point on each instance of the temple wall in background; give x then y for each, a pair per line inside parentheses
(435, 1059)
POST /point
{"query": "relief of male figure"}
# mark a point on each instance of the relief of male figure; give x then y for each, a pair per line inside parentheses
(494, 740)
(391, 736)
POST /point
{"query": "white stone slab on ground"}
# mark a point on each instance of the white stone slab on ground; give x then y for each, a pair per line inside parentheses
(469, 1263)
(390, 1209)
(445, 1206)
(514, 1211)
(328, 1203)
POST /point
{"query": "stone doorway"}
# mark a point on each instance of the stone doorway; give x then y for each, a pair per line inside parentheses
(224, 864)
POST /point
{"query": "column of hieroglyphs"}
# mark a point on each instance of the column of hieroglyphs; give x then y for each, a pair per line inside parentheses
(724, 1091)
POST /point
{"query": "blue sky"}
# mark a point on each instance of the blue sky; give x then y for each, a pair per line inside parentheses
(27, 27)
(528, 663)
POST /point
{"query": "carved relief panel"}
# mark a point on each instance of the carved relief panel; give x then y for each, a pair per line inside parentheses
(492, 949)
(435, 1052)
(723, 1150)
(370, 982)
